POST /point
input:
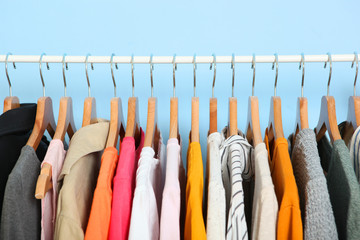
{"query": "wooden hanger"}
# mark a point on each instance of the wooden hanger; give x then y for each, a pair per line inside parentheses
(133, 123)
(44, 119)
(89, 115)
(117, 124)
(253, 130)
(301, 105)
(213, 103)
(275, 129)
(195, 136)
(10, 102)
(65, 124)
(152, 134)
(174, 120)
(233, 129)
(353, 116)
(327, 119)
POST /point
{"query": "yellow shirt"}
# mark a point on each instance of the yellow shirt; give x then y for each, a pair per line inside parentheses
(194, 221)
(289, 225)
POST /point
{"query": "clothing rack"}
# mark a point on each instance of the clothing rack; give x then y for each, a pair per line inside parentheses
(180, 59)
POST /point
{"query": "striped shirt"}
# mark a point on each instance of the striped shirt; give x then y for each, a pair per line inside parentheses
(236, 165)
(354, 147)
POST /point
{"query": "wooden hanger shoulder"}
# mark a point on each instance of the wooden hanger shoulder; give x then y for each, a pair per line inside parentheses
(233, 128)
(174, 120)
(89, 115)
(44, 182)
(44, 120)
(275, 121)
(117, 125)
(132, 125)
(253, 130)
(301, 114)
(195, 136)
(65, 123)
(213, 115)
(327, 120)
(353, 115)
(11, 103)
(151, 122)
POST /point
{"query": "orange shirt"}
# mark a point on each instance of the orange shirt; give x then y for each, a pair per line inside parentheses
(99, 220)
(194, 221)
(289, 225)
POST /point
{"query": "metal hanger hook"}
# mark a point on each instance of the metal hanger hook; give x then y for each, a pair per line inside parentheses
(302, 65)
(330, 72)
(194, 64)
(112, 72)
(174, 69)
(211, 66)
(86, 71)
(7, 74)
(41, 76)
(277, 71)
(132, 74)
(64, 66)
(356, 60)
(151, 74)
(253, 66)
(233, 74)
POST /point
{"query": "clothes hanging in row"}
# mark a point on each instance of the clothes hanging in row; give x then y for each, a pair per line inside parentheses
(296, 188)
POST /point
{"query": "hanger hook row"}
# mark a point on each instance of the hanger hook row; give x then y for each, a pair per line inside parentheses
(64, 67)
(253, 66)
(211, 66)
(174, 69)
(151, 74)
(132, 74)
(302, 65)
(330, 72)
(194, 64)
(233, 74)
(41, 76)
(112, 71)
(356, 60)
(7, 74)
(86, 72)
(277, 71)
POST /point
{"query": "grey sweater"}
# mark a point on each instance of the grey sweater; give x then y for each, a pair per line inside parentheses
(343, 187)
(316, 210)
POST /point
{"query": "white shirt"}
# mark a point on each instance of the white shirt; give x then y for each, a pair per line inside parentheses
(237, 164)
(216, 202)
(355, 152)
(265, 205)
(144, 223)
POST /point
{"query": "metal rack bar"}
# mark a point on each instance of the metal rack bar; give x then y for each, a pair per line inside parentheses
(179, 59)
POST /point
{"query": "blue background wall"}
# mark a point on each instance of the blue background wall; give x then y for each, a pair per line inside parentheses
(183, 27)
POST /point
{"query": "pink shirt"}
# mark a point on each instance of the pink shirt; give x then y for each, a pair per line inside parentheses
(55, 156)
(124, 186)
(172, 202)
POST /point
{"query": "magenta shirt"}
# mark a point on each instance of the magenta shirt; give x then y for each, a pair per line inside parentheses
(124, 186)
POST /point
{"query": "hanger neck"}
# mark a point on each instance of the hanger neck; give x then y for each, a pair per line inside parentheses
(233, 128)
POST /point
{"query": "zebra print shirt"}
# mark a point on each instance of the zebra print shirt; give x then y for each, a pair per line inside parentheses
(237, 165)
